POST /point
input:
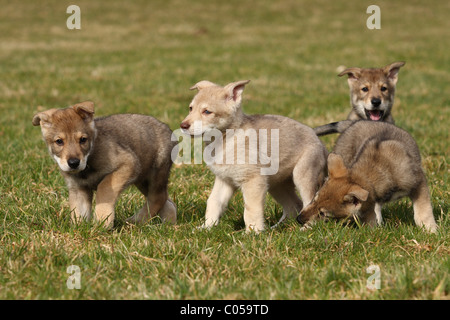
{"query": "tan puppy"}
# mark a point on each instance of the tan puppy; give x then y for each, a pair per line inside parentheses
(372, 163)
(297, 157)
(372, 94)
(109, 154)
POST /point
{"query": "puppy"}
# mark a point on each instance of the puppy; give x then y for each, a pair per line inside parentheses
(108, 154)
(372, 94)
(372, 163)
(297, 156)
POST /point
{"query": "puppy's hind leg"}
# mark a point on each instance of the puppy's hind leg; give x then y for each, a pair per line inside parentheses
(423, 211)
(286, 196)
(157, 201)
(309, 173)
(254, 192)
(168, 212)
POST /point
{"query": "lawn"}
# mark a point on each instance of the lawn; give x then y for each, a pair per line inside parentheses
(142, 57)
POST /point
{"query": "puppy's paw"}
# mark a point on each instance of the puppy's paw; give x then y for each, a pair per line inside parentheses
(132, 220)
(307, 226)
(168, 213)
(207, 225)
(254, 229)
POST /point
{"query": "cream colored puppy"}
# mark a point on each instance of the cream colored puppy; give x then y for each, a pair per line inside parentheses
(256, 153)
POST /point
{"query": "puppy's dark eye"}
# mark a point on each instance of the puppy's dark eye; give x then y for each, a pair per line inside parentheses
(83, 140)
(365, 89)
(206, 112)
(190, 109)
(323, 213)
(383, 88)
(59, 142)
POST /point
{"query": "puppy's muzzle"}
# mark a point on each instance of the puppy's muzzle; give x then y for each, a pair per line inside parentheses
(301, 219)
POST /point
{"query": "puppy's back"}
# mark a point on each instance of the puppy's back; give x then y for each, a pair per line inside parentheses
(144, 136)
(358, 136)
(294, 137)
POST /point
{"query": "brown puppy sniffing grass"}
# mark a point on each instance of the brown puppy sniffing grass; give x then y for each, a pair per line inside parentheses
(372, 163)
(109, 154)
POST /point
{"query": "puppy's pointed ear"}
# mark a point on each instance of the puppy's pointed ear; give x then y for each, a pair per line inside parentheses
(336, 166)
(43, 118)
(85, 110)
(391, 71)
(38, 117)
(356, 195)
(202, 84)
(234, 91)
(353, 73)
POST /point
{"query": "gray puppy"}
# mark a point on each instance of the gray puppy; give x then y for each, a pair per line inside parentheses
(108, 154)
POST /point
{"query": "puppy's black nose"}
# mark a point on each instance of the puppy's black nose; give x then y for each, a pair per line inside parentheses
(300, 219)
(376, 102)
(73, 163)
(185, 125)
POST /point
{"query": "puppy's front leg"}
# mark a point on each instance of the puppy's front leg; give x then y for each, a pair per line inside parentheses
(80, 203)
(254, 192)
(379, 217)
(217, 202)
(107, 193)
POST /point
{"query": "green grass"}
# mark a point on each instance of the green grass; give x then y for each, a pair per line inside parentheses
(142, 57)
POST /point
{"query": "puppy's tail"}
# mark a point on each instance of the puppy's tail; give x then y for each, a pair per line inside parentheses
(334, 127)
